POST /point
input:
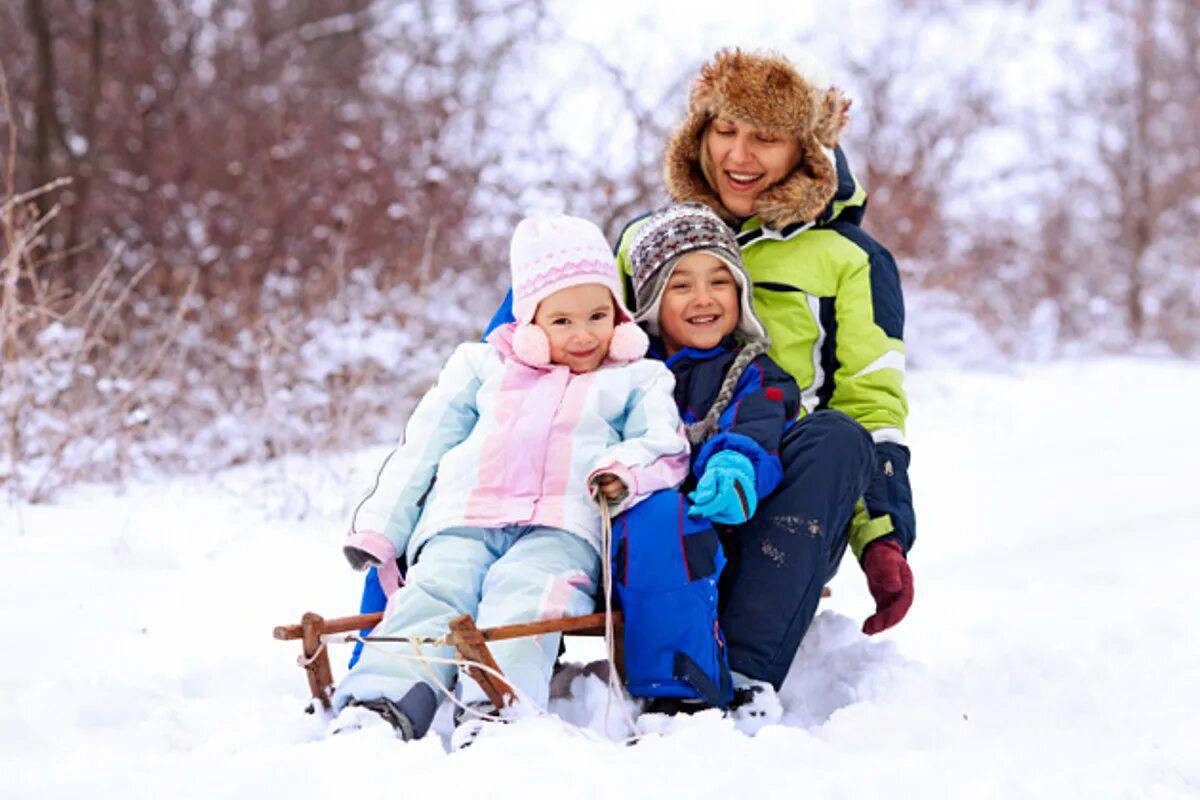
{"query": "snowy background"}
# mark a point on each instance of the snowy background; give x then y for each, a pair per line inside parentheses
(206, 353)
(1052, 650)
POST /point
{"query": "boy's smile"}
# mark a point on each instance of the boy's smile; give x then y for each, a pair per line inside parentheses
(700, 304)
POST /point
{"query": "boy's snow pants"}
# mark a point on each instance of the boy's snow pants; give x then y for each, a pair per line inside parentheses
(781, 559)
(665, 571)
(666, 565)
(499, 576)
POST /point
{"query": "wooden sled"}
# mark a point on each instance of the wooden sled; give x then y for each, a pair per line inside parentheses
(470, 643)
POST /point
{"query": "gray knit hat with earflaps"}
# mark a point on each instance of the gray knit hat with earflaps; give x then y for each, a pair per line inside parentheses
(668, 235)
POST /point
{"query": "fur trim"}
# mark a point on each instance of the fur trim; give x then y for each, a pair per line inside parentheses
(529, 343)
(629, 342)
(765, 90)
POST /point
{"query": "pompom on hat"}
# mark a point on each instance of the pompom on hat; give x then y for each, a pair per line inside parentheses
(552, 253)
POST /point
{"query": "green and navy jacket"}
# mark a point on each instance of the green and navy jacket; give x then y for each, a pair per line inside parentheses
(830, 298)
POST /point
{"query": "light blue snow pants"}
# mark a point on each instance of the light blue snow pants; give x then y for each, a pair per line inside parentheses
(518, 573)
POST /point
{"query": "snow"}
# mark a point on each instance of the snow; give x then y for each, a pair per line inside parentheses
(1052, 650)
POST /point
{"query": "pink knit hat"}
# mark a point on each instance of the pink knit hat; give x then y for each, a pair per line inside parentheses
(553, 253)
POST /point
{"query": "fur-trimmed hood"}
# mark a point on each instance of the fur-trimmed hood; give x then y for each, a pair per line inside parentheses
(765, 90)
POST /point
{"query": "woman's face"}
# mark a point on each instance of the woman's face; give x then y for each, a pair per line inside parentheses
(744, 161)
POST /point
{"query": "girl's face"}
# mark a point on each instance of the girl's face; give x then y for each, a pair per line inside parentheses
(579, 322)
(743, 161)
(699, 304)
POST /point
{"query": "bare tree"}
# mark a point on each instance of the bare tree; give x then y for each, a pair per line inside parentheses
(1146, 177)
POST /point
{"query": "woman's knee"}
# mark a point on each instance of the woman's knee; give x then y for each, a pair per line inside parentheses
(831, 433)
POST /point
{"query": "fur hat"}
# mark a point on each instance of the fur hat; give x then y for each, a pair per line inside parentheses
(668, 235)
(767, 91)
(548, 254)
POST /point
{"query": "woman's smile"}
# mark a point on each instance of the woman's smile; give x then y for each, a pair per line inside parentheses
(743, 181)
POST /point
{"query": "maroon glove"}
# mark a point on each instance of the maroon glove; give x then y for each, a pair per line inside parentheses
(891, 583)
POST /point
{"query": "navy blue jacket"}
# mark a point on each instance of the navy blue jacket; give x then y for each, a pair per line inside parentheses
(765, 403)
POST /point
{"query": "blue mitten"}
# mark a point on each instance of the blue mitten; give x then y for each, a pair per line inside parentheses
(726, 492)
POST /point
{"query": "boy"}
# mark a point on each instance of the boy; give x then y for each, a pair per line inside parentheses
(693, 295)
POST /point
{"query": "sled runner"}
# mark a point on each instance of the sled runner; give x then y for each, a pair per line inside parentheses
(470, 643)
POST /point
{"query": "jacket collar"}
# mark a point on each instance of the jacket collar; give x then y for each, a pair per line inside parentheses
(726, 345)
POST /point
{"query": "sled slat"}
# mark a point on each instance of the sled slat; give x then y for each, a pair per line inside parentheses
(589, 624)
(471, 646)
(316, 659)
(337, 625)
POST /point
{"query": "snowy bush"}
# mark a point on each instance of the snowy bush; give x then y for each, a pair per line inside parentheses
(87, 397)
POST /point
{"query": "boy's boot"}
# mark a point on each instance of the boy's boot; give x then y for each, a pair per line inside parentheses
(755, 704)
(675, 705)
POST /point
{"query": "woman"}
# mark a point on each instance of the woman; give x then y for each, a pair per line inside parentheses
(759, 146)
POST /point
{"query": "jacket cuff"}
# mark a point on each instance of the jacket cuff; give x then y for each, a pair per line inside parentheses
(889, 495)
(768, 470)
(864, 530)
(627, 477)
(378, 546)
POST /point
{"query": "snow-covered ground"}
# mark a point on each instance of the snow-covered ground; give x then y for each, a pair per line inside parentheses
(1052, 650)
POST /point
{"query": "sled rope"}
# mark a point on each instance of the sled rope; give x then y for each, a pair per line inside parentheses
(427, 661)
(462, 664)
(306, 661)
(614, 689)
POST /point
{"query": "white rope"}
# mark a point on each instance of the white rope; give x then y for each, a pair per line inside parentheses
(428, 661)
(614, 686)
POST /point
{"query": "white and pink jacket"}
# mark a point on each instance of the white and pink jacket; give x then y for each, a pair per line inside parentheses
(500, 442)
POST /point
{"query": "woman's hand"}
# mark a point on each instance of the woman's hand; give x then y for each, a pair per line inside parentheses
(890, 581)
(610, 486)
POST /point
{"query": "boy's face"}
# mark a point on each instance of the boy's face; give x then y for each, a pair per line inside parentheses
(579, 322)
(699, 304)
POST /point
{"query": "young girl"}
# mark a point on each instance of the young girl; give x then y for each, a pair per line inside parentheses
(489, 493)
